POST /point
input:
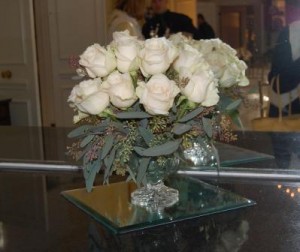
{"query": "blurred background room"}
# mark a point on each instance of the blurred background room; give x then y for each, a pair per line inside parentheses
(40, 37)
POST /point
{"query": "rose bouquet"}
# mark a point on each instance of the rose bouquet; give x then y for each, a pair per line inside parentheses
(151, 99)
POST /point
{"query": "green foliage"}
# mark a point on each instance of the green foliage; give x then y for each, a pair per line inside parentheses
(132, 115)
(180, 128)
(234, 105)
(108, 144)
(111, 143)
(191, 115)
(160, 150)
(86, 140)
(143, 165)
(207, 126)
(80, 131)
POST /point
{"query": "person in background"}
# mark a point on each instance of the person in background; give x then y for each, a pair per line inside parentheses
(204, 29)
(127, 15)
(286, 59)
(165, 22)
(286, 65)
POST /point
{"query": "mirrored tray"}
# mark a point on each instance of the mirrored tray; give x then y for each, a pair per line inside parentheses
(110, 204)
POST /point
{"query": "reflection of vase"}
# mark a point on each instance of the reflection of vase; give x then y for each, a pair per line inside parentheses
(200, 154)
(154, 195)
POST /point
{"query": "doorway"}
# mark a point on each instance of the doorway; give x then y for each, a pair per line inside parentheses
(233, 25)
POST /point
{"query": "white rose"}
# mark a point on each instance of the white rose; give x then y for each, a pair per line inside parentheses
(206, 46)
(179, 39)
(88, 97)
(188, 61)
(202, 88)
(218, 62)
(98, 61)
(234, 74)
(126, 50)
(212, 97)
(157, 56)
(158, 94)
(120, 89)
(94, 104)
(244, 81)
(84, 89)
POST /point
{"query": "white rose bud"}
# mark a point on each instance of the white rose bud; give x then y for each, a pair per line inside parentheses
(158, 94)
(88, 97)
(202, 88)
(120, 89)
(157, 56)
(126, 50)
(98, 61)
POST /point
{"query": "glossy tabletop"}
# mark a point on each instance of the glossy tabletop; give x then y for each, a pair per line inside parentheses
(35, 217)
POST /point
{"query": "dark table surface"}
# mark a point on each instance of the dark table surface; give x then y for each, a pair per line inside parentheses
(35, 217)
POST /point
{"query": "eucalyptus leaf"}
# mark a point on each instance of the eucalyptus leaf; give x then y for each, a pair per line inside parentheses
(89, 181)
(132, 115)
(94, 168)
(144, 182)
(146, 134)
(181, 128)
(86, 159)
(139, 150)
(86, 140)
(159, 150)
(84, 151)
(207, 126)
(223, 102)
(174, 108)
(86, 172)
(234, 105)
(191, 115)
(129, 178)
(142, 169)
(235, 117)
(144, 123)
(80, 131)
(108, 144)
(131, 174)
(108, 161)
(98, 129)
(119, 127)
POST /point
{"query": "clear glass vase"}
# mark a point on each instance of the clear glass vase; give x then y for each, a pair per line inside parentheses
(199, 155)
(154, 195)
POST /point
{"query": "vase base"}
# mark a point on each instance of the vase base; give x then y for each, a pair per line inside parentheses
(155, 197)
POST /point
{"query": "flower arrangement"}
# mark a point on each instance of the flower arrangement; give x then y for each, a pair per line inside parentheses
(163, 92)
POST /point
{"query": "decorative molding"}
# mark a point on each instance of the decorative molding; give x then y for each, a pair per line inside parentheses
(28, 107)
(22, 59)
(19, 85)
(92, 18)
